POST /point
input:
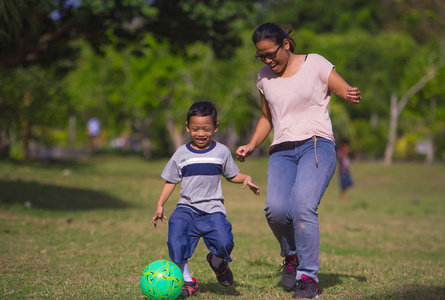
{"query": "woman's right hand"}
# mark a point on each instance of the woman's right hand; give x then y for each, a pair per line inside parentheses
(244, 151)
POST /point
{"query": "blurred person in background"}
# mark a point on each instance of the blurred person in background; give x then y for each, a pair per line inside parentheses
(93, 126)
(344, 170)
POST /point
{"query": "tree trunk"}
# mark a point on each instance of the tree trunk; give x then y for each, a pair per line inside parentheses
(4, 144)
(142, 136)
(145, 139)
(26, 136)
(398, 106)
(174, 132)
(430, 149)
(26, 125)
(231, 138)
(71, 131)
(392, 134)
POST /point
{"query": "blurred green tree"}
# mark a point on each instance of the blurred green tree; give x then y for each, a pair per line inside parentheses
(424, 20)
(41, 32)
(201, 50)
(323, 16)
(152, 88)
(143, 86)
(33, 102)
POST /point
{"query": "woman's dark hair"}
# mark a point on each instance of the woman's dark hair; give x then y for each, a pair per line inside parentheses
(203, 109)
(273, 32)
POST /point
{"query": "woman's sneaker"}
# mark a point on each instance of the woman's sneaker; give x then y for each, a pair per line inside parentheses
(223, 272)
(289, 275)
(189, 289)
(307, 288)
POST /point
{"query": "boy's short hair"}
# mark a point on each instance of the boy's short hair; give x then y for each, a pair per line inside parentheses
(203, 109)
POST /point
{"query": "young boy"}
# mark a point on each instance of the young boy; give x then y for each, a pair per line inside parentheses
(200, 211)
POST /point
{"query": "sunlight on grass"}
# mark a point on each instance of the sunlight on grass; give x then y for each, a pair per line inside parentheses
(82, 230)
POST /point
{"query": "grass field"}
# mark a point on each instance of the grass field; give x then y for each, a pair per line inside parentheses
(82, 230)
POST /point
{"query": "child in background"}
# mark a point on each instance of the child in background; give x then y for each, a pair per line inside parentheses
(345, 174)
(93, 126)
(200, 211)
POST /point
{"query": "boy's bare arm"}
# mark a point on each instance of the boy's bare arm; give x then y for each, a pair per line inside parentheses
(246, 180)
(167, 190)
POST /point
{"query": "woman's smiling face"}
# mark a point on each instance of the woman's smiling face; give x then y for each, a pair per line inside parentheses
(279, 63)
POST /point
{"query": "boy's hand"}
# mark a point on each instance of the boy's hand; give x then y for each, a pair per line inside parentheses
(252, 186)
(159, 215)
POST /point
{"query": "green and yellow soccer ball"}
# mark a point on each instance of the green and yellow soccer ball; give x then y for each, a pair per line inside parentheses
(162, 279)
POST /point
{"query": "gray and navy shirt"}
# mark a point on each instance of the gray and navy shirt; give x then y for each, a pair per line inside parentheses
(200, 172)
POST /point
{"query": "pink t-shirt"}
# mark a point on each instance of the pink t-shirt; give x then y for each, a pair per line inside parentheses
(298, 104)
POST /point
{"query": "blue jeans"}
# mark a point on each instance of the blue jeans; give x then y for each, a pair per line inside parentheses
(185, 228)
(295, 185)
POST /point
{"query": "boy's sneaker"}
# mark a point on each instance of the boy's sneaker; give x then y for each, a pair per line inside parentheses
(223, 272)
(189, 289)
(307, 288)
(289, 275)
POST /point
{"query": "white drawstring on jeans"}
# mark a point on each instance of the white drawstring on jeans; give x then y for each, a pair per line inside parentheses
(315, 149)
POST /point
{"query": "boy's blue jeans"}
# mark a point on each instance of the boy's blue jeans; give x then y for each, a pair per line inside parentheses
(295, 185)
(185, 227)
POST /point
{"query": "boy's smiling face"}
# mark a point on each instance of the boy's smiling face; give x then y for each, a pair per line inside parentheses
(201, 130)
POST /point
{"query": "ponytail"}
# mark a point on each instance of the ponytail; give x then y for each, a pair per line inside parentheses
(273, 32)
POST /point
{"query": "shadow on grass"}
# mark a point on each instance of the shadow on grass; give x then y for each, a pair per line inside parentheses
(328, 280)
(216, 288)
(414, 293)
(51, 197)
(72, 162)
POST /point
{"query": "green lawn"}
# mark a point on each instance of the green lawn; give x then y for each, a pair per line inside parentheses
(82, 230)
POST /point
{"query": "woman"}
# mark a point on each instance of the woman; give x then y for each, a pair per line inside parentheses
(295, 90)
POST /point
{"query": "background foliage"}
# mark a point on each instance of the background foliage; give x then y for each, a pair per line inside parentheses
(138, 65)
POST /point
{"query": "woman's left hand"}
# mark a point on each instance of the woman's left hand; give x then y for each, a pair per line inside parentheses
(353, 95)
